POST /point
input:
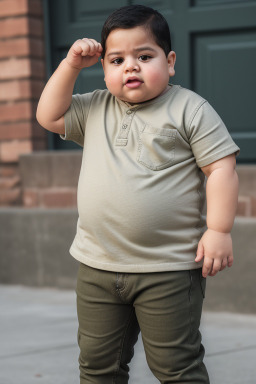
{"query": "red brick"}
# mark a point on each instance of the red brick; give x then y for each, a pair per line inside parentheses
(22, 130)
(10, 197)
(38, 134)
(58, 197)
(35, 7)
(40, 145)
(8, 170)
(37, 87)
(36, 48)
(38, 69)
(15, 68)
(11, 150)
(253, 200)
(21, 26)
(14, 47)
(21, 89)
(20, 7)
(15, 90)
(13, 7)
(21, 47)
(9, 182)
(244, 206)
(30, 197)
(14, 27)
(36, 27)
(23, 110)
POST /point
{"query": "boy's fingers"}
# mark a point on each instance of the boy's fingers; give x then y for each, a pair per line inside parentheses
(77, 47)
(90, 47)
(207, 266)
(230, 260)
(200, 252)
(224, 264)
(216, 267)
(96, 44)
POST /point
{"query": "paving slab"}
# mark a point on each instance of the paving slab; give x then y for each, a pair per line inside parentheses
(38, 328)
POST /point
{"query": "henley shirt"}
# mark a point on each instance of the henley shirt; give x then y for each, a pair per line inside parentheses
(141, 190)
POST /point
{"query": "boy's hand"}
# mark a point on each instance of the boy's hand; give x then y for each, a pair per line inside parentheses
(84, 53)
(216, 249)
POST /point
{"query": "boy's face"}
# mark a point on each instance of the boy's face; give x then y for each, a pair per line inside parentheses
(136, 69)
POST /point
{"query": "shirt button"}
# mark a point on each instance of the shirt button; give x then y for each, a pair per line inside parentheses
(124, 126)
(129, 112)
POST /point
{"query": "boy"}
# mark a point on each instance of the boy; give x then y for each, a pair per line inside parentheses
(141, 240)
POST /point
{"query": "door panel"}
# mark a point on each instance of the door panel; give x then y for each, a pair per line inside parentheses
(223, 74)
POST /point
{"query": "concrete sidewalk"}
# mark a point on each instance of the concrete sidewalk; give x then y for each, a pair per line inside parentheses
(38, 341)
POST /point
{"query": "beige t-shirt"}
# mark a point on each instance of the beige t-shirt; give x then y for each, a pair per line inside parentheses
(141, 189)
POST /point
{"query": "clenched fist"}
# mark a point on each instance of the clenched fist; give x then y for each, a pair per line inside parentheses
(84, 53)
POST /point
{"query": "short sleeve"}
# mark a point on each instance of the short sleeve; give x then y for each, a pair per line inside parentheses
(208, 136)
(75, 118)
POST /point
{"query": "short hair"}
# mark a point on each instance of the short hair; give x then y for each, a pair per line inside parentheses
(132, 16)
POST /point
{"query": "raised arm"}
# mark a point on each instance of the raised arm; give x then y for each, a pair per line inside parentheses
(215, 245)
(57, 94)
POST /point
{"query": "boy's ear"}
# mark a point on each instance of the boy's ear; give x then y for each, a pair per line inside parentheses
(102, 63)
(171, 59)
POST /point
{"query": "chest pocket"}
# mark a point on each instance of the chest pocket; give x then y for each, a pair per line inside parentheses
(157, 147)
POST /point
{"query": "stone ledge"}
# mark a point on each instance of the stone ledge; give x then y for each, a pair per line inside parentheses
(36, 253)
(50, 169)
(35, 247)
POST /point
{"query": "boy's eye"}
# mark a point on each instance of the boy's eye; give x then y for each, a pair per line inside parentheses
(144, 57)
(117, 61)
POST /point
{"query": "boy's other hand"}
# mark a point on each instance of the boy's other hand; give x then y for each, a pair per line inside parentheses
(84, 53)
(216, 249)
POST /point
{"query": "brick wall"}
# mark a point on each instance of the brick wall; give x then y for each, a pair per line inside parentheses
(22, 77)
(50, 178)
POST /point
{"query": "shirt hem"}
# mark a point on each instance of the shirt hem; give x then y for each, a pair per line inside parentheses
(135, 268)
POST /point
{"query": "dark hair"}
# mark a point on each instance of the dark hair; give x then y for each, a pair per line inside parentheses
(132, 16)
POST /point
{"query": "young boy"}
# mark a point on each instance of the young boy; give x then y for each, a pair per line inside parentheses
(141, 239)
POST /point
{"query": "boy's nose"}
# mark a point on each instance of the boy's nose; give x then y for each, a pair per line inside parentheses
(131, 66)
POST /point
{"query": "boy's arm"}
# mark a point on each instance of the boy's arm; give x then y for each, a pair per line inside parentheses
(57, 94)
(215, 245)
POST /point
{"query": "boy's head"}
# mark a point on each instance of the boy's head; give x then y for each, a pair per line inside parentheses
(137, 59)
(133, 16)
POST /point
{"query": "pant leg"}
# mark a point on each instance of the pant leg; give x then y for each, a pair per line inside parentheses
(169, 311)
(108, 328)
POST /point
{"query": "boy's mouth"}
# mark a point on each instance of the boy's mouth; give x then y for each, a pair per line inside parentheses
(133, 82)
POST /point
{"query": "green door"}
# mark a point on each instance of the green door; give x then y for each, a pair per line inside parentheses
(215, 42)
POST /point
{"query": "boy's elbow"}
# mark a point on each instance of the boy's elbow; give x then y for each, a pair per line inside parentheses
(57, 126)
(40, 117)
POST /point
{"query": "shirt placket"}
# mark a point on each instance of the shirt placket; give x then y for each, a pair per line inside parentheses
(122, 138)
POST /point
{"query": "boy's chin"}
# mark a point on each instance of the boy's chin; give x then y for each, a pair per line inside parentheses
(134, 100)
(139, 100)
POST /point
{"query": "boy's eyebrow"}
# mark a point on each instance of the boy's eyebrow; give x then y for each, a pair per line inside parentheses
(146, 48)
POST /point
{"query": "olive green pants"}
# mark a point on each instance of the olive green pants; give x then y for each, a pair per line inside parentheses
(165, 306)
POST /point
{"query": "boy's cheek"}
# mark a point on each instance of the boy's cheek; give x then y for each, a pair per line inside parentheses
(112, 82)
(156, 78)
